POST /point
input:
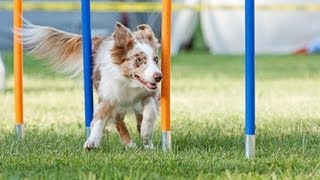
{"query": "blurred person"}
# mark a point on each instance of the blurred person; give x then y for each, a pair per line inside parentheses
(313, 47)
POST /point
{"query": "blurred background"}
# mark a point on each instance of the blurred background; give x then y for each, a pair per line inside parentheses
(207, 95)
(282, 26)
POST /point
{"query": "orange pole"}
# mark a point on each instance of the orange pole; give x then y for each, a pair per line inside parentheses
(165, 67)
(18, 61)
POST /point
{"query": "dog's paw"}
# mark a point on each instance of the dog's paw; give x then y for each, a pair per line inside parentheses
(90, 145)
(131, 145)
(148, 146)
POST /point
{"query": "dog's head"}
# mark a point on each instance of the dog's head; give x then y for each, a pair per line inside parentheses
(136, 53)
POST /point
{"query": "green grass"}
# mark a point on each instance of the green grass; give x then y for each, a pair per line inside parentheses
(207, 125)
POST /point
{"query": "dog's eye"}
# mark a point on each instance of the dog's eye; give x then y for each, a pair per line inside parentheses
(156, 59)
(138, 60)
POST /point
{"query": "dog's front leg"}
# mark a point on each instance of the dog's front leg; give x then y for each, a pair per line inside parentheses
(123, 132)
(102, 114)
(148, 121)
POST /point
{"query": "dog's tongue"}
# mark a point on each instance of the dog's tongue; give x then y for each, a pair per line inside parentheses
(151, 85)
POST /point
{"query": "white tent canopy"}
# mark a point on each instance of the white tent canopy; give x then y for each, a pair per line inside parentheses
(278, 31)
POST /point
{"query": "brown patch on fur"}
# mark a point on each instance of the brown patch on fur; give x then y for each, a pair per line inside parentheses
(96, 75)
(139, 121)
(126, 68)
(140, 58)
(134, 61)
(145, 34)
(122, 129)
(123, 42)
(96, 43)
(62, 50)
(103, 111)
(67, 46)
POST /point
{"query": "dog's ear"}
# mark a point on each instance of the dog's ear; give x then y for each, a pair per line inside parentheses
(144, 27)
(123, 41)
(122, 35)
(145, 32)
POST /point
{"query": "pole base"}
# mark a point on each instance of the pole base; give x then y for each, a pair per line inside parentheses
(250, 141)
(166, 141)
(87, 132)
(19, 131)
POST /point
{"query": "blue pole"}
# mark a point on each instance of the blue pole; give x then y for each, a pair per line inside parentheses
(87, 64)
(249, 79)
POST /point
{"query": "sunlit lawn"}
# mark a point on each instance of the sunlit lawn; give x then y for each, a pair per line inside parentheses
(207, 124)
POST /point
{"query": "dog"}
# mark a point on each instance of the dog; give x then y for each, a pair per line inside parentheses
(2, 74)
(126, 75)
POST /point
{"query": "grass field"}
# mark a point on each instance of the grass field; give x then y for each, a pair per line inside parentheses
(207, 125)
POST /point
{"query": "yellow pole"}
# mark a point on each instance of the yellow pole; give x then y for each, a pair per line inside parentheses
(18, 66)
(165, 66)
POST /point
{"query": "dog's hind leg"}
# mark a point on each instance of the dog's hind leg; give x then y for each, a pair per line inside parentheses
(139, 121)
(123, 132)
(102, 113)
(148, 121)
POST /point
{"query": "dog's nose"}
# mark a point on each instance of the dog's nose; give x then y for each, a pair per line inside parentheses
(157, 77)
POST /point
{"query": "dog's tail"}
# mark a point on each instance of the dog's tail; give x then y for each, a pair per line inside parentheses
(62, 50)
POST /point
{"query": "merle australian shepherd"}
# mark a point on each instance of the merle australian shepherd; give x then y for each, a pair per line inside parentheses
(126, 74)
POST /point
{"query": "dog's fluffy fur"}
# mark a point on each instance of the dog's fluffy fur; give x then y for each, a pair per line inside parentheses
(126, 74)
(2, 74)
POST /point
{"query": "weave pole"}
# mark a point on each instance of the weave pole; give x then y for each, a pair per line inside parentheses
(249, 79)
(18, 67)
(87, 64)
(165, 67)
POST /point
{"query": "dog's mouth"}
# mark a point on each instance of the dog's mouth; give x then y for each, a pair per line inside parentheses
(146, 84)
